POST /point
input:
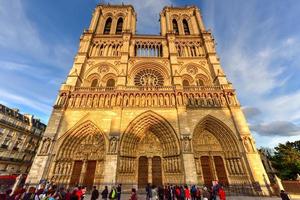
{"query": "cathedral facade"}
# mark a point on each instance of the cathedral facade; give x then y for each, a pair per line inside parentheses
(138, 109)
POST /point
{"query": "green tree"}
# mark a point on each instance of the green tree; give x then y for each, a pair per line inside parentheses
(286, 160)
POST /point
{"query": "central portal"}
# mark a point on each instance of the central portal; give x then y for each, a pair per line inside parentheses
(148, 151)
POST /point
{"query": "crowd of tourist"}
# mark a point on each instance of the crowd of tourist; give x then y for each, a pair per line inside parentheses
(49, 191)
(176, 192)
(169, 192)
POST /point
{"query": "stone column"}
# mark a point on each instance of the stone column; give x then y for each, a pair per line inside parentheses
(95, 19)
(83, 172)
(194, 25)
(128, 25)
(150, 170)
(213, 167)
(200, 21)
(188, 161)
(163, 25)
(110, 170)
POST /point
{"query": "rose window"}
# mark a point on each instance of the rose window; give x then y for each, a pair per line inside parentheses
(148, 78)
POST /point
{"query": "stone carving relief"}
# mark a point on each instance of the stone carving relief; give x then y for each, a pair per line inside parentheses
(209, 43)
(206, 141)
(186, 144)
(127, 165)
(234, 166)
(62, 100)
(113, 145)
(192, 69)
(103, 69)
(45, 146)
(247, 141)
(150, 145)
(172, 164)
(90, 148)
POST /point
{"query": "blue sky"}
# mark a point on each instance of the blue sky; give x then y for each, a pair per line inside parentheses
(258, 43)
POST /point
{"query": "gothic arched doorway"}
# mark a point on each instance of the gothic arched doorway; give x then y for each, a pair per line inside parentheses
(151, 142)
(216, 152)
(80, 157)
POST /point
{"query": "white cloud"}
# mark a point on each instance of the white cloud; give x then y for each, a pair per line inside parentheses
(260, 57)
(11, 98)
(20, 36)
(282, 128)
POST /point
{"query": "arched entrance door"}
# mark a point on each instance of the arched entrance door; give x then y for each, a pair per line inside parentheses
(207, 170)
(143, 172)
(216, 153)
(150, 137)
(80, 158)
(156, 171)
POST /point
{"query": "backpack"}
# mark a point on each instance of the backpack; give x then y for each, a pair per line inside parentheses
(112, 194)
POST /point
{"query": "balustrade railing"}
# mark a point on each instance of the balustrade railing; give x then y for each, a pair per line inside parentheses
(134, 96)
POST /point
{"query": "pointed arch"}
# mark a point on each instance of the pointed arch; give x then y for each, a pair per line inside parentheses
(119, 27)
(82, 135)
(94, 82)
(219, 130)
(186, 27)
(158, 125)
(107, 26)
(175, 26)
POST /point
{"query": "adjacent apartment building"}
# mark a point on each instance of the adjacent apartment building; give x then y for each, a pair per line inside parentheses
(20, 135)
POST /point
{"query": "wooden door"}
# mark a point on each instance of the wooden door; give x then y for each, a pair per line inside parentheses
(143, 172)
(76, 173)
(206, 171)
(220, 168)
(90, 174)
(156, 171)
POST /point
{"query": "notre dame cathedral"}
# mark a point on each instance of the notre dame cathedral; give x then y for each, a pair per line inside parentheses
(138, 109)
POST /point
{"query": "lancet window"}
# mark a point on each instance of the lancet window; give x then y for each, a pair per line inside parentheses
(107, 26)
(119, 26)
(175, 26)
(185, 27)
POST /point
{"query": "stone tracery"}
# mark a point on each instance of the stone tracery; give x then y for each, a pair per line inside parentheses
(148, 78)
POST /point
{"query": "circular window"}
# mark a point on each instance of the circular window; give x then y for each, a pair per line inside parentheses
(148, 78)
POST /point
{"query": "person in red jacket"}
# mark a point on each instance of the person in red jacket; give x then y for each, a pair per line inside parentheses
(222, 193)
(187, 193)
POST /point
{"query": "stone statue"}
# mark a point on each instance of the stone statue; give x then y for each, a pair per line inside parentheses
(113, 145)
(247, 144)
(45, 146)
(186, 144)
